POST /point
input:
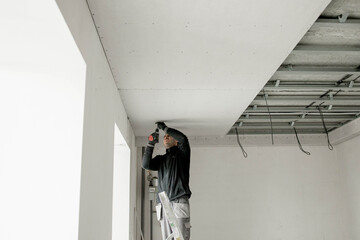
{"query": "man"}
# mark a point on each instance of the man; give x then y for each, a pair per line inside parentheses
(173, 173)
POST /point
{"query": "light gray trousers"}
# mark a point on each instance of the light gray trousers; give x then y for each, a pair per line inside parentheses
(181, 209)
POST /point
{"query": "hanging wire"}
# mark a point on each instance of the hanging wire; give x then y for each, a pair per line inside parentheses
(326, 131)
(299, 144)
(271, 124)
(238, 140)
(356, 78)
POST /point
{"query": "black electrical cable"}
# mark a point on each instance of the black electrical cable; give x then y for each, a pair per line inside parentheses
(356, 78)
(327, 92)
(337, 92)
(300, 146)
(238, 140)
(343, 79)
(271, 124)
(326, 131)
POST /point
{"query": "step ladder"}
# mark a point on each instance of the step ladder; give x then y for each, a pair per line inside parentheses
(176, 233)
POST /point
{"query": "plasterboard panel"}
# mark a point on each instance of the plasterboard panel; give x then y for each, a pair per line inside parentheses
(196, 112)
(185, 46)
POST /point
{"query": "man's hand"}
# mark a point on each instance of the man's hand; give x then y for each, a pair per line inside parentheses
(161, 125)
(154, 138)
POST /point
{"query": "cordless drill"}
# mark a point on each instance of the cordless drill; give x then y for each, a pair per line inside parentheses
(154, 137)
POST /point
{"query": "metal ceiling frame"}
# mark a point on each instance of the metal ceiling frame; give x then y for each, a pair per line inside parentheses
(294, 92)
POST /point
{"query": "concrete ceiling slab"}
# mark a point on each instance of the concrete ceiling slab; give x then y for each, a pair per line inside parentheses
(197, 65)
(340, 7)
(333, 33)
(325, 58)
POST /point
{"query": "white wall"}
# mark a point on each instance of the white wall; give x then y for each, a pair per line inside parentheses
(42, 88)
(103, 107)
(121, 188)
(278, 192)
(348, 156)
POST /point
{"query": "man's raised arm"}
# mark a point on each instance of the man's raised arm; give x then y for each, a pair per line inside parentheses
(183, 142)
(148, 162)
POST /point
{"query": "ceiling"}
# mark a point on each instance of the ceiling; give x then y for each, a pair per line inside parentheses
(323, 69)
(197, 65)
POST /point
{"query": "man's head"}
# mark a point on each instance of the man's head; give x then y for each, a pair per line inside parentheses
(169, 141)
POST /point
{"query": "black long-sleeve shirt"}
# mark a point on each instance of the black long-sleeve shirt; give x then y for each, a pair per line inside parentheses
(173, 167)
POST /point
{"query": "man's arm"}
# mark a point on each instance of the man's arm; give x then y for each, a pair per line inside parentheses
(183, 142)
(150, 163)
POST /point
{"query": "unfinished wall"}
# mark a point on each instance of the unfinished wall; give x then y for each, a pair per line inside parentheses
(278, 192)
(348, 156)
(103, 107)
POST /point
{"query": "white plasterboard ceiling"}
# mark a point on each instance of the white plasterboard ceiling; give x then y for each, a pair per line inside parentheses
(197, 65)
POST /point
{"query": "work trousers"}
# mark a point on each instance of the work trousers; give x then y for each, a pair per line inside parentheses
(181, 208)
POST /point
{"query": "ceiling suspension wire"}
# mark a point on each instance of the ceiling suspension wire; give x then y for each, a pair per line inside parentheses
(326, 131)
(271, 124)
(238, 140)
(299, 144)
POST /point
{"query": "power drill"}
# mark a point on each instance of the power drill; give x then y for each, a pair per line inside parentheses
(154, 137)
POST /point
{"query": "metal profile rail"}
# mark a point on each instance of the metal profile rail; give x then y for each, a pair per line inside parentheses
(302, 109)
(328, 114)
(277, 101)
(312, 82)
(261, 125)
(308, 88)
(288, 130)
(335, 22)
(286, 127)
(324, 48)
(298, 119)
(317, 70)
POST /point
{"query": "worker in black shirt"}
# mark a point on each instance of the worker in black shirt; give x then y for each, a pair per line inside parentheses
(173, 172)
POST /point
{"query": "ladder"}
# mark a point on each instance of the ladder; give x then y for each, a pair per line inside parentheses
(176, 233)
